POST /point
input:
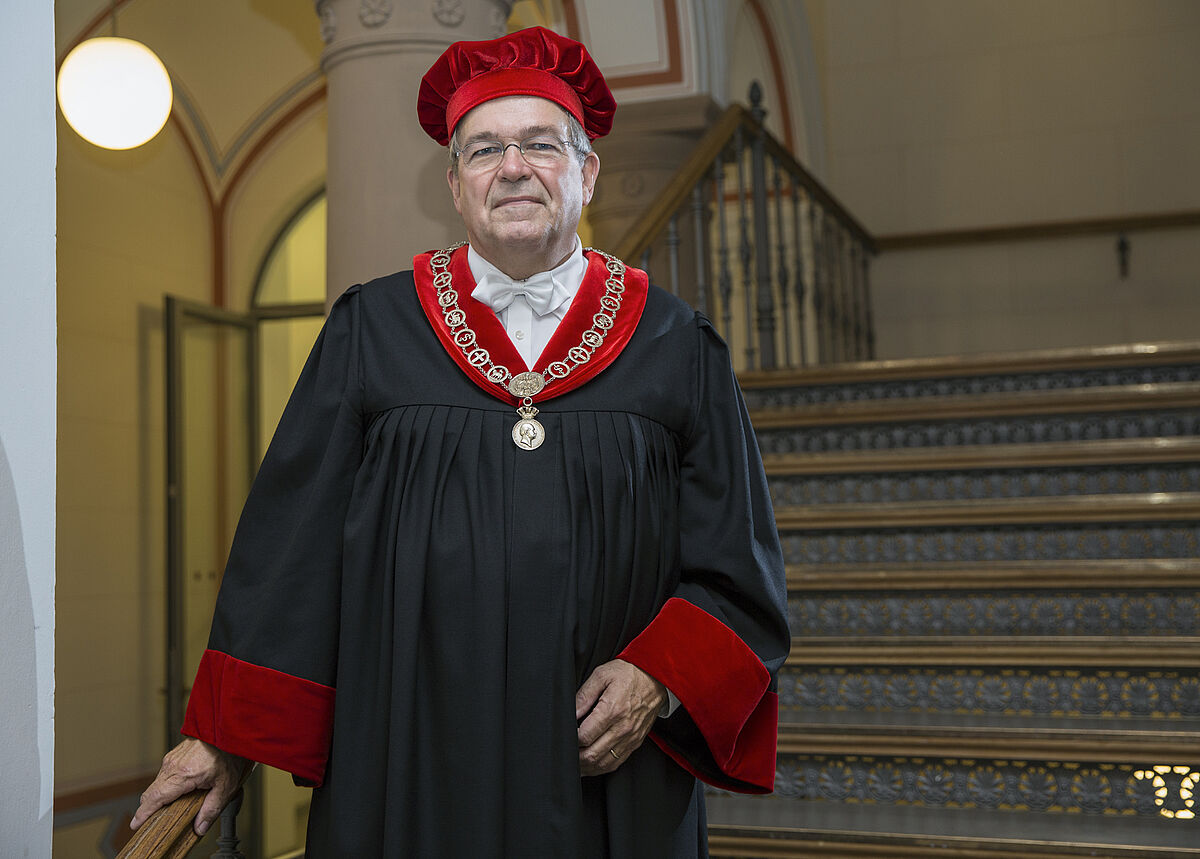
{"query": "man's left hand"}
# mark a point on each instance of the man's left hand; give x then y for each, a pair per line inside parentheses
(621, 702)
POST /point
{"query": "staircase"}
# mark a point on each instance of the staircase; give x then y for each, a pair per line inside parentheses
(994, 589)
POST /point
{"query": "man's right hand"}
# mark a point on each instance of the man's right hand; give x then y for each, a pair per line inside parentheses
(193, 765)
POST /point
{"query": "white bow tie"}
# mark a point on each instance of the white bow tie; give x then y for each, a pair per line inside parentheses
(497, 290)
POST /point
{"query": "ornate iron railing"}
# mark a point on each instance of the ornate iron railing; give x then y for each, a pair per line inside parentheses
(753, 240)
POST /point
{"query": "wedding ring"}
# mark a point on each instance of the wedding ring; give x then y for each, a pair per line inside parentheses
(613, 752)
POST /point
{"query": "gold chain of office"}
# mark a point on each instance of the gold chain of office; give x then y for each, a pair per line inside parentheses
(527, 433)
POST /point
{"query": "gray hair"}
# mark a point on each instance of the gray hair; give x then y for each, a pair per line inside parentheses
(577, 139)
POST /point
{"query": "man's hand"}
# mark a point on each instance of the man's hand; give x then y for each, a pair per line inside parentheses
(191, 765)
(621, 702)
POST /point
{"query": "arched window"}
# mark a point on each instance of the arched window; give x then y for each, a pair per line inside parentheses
(289, 302)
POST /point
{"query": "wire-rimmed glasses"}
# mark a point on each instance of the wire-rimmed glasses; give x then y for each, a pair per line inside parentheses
(540, 150)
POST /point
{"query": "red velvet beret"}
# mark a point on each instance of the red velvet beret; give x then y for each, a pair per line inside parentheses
(535, 62)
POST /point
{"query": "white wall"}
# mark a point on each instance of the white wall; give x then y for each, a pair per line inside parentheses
(27, 429)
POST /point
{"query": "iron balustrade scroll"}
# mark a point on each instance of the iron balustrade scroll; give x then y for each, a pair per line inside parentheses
(754, 241)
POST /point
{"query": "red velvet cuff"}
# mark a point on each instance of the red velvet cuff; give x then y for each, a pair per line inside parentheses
(262, 714)
(724, 688)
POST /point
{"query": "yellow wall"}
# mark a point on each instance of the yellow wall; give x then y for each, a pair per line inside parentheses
(131, 227)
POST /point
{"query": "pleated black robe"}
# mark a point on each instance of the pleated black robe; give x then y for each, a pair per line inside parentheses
(411, 601)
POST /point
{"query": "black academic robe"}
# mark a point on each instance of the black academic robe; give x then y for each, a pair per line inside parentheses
(411, 601)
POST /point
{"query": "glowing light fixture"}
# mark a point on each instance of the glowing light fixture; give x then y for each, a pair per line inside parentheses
(114, 92)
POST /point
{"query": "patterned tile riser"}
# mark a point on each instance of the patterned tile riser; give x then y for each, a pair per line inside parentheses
(1049, 787)
(993, 543)
(1030, 787)
(997, 613)
(957, 433)
(1109, 694)
(905, 389)
(982, 484)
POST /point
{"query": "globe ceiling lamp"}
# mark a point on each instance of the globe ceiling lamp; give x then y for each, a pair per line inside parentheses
(114, 92)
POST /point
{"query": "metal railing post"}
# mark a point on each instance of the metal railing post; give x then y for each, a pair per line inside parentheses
(782, 272)
(700, 236)
(762, 236)
(744, 250)
(798, 234)
(725, 277)
(673, 252)
(227, 841)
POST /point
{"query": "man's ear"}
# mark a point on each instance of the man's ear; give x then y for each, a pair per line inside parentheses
(452, 181)
(590, 169)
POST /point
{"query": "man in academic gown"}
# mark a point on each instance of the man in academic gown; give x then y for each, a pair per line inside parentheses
(512, 523)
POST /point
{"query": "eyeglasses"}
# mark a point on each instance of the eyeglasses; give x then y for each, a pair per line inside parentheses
(540, 150)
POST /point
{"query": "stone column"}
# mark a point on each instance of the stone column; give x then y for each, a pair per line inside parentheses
(648, 143)
(386, 180)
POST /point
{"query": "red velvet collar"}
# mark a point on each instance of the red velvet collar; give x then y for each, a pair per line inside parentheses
(492, 336)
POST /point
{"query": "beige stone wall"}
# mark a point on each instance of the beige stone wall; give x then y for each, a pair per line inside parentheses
(945, 114)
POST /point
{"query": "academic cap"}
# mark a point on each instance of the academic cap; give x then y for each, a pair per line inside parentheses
(536, 62)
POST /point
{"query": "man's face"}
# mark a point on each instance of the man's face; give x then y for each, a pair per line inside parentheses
(521, 218)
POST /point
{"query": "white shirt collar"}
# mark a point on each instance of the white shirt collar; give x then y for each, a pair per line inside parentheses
(567, 278)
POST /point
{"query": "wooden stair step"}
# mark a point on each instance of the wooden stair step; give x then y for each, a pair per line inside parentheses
(1145, 747)
(1117, 573)
(1067, 651)
(777, 842)
(1114, 398)
(806, 818)
(1128, 507)
(1107, 697)
(990, 364)
(1056, 454)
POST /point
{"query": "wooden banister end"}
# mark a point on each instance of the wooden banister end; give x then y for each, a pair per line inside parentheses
(169, 833)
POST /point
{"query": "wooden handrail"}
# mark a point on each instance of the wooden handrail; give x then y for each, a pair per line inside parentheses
(1039, 231)
(169, 833)
(697, 166)
(654, 220)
